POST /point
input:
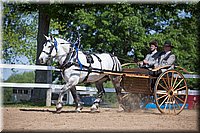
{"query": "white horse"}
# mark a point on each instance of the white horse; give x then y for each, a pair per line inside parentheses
(76, 68)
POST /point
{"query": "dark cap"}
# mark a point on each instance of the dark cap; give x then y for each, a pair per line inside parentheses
(168, 44)
(154, 42)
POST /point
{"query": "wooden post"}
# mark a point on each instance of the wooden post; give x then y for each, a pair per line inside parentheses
(48, 97)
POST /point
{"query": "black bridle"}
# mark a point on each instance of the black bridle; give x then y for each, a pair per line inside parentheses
(69, 57)
(51, 49)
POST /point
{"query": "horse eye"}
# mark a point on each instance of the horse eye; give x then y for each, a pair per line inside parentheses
(49, 46)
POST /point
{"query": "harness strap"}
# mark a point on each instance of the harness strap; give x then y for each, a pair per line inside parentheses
(99, 59)
(89, 71)
(113, 61)
(67, 62)
(90, 67)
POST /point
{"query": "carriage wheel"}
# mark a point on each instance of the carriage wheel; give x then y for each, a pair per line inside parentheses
(170, 92)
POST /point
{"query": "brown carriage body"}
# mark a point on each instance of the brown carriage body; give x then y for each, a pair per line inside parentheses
(139, 82)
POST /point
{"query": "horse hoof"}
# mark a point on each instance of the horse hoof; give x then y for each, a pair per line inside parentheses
(94, 109)
(121, 109)
(79, 109)
(58, 110)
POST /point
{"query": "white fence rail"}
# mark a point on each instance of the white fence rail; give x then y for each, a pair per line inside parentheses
(30, 67)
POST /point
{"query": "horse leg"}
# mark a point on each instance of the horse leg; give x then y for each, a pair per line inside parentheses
(76, 99)
(60, 102)
(101, 92)
(70, 84)
(116, 83)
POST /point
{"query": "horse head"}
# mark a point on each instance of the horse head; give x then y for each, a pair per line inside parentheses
(52, 48)
(49, 49)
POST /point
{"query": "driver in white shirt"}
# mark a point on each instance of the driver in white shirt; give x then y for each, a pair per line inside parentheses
(150, 58)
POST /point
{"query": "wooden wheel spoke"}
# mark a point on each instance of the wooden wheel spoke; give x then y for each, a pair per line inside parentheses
(172, 78)
(178, 84)
(173, 103)
(162, 97)
(165, 83)
(168, 80)
(163, 87)
(179, 99)
(180, 94)
(166, 103)
(170, 104)
(160, 92)
(176, 102)
(163, 101)
(181, 88)
(175, 81)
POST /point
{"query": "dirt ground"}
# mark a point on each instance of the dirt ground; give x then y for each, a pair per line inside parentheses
(108, 119)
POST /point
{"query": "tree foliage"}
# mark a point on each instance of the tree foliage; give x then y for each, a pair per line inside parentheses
(19, 34)
(112, 28)
(116, 28)
(26, 77)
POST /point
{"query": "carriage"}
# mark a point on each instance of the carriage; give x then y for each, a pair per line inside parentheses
(169, 89)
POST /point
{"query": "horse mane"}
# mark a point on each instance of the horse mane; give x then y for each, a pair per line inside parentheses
(63, 43)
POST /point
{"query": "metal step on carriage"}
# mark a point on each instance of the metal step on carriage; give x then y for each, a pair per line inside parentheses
(168, 89)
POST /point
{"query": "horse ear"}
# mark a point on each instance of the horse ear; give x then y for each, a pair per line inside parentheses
(45, 36)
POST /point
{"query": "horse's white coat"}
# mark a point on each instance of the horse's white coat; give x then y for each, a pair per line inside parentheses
(70, 75)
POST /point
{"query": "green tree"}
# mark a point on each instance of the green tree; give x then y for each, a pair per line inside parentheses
(19, 34)
(25, 77)
(118, 27)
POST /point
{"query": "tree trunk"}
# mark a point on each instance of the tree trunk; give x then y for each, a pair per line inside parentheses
(39, 95)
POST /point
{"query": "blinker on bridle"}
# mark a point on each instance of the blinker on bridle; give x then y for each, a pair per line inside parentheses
(51, 49)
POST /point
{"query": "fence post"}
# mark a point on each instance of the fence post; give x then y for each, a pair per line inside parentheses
(48, 97)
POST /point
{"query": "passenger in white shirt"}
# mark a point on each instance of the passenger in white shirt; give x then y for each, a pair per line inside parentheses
(150, 58)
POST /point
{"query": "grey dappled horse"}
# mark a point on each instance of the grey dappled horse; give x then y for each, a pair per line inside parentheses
(76, 69)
